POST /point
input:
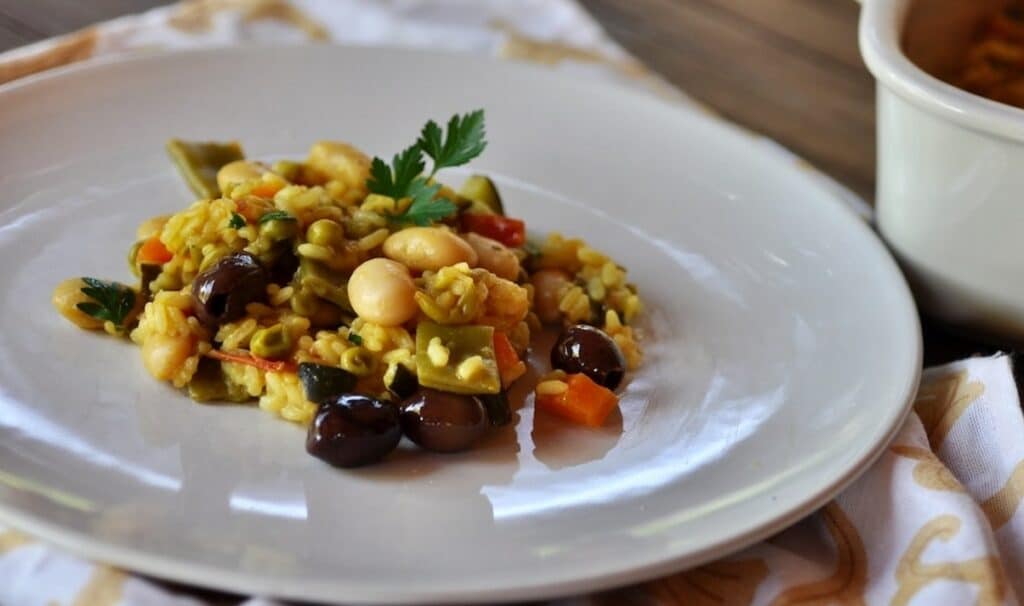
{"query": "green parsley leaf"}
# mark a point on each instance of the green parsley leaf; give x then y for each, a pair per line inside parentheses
(276, 215)
(237, 221)
(424, 208)
(463, 141)
(355, 339)
(395, 180)
(110, 300)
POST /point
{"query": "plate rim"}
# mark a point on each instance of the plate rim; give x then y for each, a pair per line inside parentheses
(138, 560)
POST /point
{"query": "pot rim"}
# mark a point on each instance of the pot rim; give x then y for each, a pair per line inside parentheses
(881, 25)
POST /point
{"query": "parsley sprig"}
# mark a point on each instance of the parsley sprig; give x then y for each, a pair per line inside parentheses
(403, 178)
(396, 180)
(426, 207)
(110, 301)
(237, 221)
(463, 141)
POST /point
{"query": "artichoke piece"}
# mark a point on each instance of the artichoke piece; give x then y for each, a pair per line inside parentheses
(148, 272)
(320, 382)
(198, 163)
(483, 196)
(466, 365)
(209, 384)
(400, 381)
(324, 283)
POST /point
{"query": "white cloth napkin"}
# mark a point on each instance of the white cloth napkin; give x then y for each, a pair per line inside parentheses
(937, 520)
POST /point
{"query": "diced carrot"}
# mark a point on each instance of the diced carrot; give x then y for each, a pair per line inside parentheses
(584, 402)
(510, 367)
(154, 251)
(253, 208)
(251, 360)
(265, 189)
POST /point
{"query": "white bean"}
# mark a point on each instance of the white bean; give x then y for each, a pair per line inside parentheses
(151, 227)
(381, 291)
(494, 256)
(239, 171)
(547, 290)
(164, 355)
(428, 248)
(66, 296)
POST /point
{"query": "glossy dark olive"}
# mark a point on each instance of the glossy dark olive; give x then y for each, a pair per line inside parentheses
(221, 293)
(588, 350)
(442, 421)
(283, 269)
(352, 430)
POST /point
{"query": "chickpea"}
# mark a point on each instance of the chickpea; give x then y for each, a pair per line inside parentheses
(382, 291)
(548, 285)
(494, 256)
(66, 296)
(237, 172)
(163, 355)
(151, 227)
(428, 248)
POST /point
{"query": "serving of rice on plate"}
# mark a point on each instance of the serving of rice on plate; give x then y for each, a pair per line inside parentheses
(364, 299)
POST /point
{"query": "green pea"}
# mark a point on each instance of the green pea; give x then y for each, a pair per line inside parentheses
(271, 343)
(278, 230)
(325, 233)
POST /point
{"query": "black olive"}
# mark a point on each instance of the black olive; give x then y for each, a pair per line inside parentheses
(498, 410)
(442, 421)
(588, 350)
(324, 382)
(221, 293)
(283, 269)
(352, 430)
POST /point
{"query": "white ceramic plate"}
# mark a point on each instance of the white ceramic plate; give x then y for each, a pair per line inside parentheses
(783, 344)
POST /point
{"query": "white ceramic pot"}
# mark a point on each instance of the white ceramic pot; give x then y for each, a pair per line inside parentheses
(950, 194)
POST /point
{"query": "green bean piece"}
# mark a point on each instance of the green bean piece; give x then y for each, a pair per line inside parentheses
(480, 190)
(358, 361)
(470, 367)
(198, 163)
(271, 343)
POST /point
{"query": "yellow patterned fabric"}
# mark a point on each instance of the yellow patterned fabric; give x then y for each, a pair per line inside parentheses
(937, 520)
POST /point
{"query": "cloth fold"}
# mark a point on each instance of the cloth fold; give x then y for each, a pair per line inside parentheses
(936, 520)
